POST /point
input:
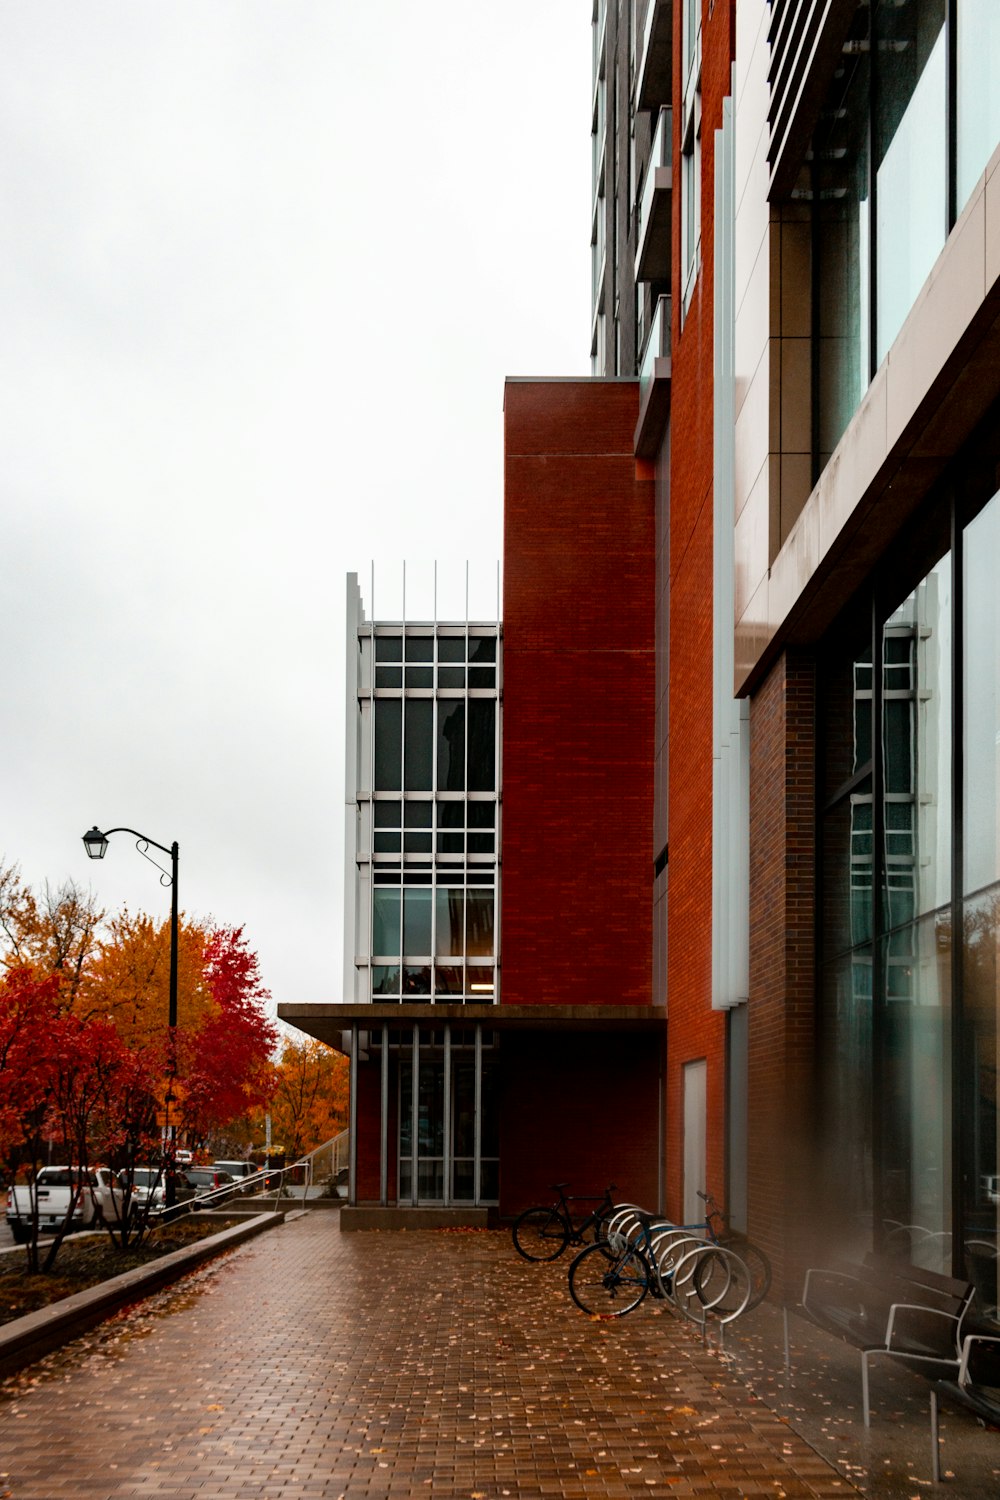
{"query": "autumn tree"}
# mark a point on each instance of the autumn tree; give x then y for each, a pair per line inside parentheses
(28, 1012)
(225, 1064)
(129, 978)
(310, 1101)
(55, 933)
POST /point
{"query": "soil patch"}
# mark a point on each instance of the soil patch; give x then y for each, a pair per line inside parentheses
(83, 1263)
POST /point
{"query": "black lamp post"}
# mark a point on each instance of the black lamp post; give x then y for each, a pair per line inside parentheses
(96, 844)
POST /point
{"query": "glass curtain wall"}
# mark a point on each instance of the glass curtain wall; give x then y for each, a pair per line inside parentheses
(893, 161)
(910, 913)
(433, 816)
(980, 904)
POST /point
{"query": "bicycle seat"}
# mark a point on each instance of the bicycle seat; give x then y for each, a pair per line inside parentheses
(558, 1186)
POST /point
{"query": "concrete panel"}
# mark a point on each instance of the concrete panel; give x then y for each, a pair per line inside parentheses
(751, 194)
(796, 396)
(949, 300)
(752, 52)
(753, 426)
(753, 633)
(754, 317)
(855, 463)
(751, 538)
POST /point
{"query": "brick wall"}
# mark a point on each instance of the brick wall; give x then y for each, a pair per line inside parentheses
(579, 687)
(782, 962)
(579, 1108)
(695, 1031)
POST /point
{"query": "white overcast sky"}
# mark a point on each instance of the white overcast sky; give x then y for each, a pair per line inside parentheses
(264, 265)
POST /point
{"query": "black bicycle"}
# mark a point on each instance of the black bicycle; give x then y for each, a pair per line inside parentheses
(542, 1233)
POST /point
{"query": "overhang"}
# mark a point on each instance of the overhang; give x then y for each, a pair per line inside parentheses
(329, 1023)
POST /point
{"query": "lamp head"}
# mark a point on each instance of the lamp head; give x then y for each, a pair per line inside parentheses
(95, 843)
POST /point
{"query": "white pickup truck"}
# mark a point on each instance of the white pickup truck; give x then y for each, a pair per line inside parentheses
(56, 1187)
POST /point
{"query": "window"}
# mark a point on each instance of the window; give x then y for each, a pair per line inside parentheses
(909, 937)
(892, 162)
(432, 865)
(691, 152)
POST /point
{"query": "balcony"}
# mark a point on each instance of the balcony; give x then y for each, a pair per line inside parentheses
(652, 255)
(654, 383)
(653, 88)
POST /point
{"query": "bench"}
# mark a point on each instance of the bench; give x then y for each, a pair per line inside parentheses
(889, 1311)
(977, 1387)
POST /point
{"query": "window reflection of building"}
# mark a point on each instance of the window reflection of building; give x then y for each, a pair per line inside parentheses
(881, 189)
(891, 1015)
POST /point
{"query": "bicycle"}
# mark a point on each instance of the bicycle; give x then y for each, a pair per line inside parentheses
(543, 1232)
(694, 1266)
(750, 1254)
(700, 1278)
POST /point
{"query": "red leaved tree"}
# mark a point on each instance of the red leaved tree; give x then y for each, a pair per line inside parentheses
(225, 1066)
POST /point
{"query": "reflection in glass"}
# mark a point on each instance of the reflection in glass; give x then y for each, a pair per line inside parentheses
(388, 744)
(448, 979)
(479, 923)
(418, 761)
(386, 902)
(846, 1049)
(978, 91)
(914, 1093)
(450, 916)
(417, 920)
(982, 701)
(416, 981)
(981, 1059)
(451, 746)
(911, 156)
(847, 873)
(385, 980)
(916, 744)
(841, 205)
(482, 745)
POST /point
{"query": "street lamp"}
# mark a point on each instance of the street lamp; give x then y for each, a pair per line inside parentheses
(96, 844)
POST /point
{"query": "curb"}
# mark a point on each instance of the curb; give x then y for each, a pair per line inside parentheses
(27, 1339)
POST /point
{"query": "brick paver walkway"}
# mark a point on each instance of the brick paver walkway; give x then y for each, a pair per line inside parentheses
(313, 1364)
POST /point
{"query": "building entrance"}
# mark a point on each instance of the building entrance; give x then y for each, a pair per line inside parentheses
(439, 1104)
(451, 1094)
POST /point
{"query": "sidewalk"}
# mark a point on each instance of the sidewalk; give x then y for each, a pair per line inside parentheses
(312, 1364)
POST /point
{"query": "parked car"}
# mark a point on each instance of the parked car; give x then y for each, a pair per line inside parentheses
(196, 1182)
(110, 1195)
(242, 1170)
(55, 1188)
(149, 1188)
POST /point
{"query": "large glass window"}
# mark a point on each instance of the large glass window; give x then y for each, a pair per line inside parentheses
(434, 830)
(980, 910)
(388, 744)
(451, 746)
(843, 237)
(879, 181)
(911, 156)
(909, 1027)
(978, 70)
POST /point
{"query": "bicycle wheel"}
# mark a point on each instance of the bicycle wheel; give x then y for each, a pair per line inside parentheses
(722, 1286)
(608, 1289)
(757, 1264)
(540, 1234)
